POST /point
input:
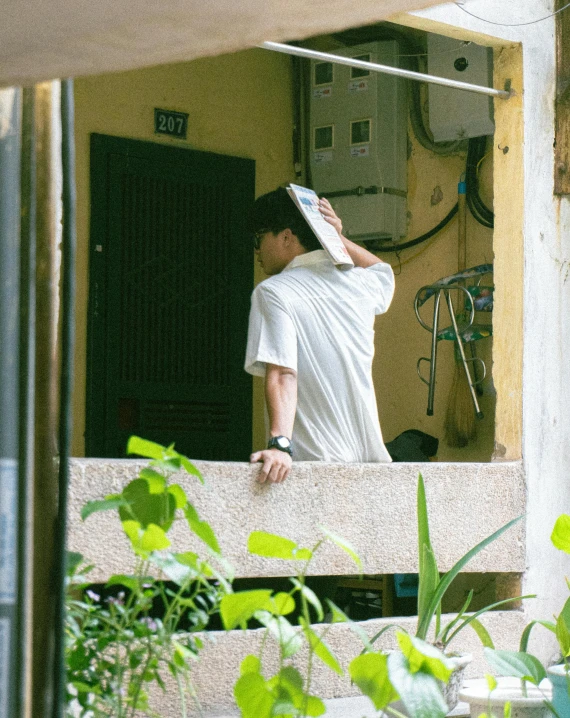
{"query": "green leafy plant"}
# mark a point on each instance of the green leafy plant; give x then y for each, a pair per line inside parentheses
(432, 587)
(411, 675)
(117, 646)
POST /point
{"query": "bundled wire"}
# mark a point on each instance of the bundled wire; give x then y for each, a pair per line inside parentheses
(477, 207)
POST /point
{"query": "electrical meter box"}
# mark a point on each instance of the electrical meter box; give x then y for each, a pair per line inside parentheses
(358, 142)
(457, 114)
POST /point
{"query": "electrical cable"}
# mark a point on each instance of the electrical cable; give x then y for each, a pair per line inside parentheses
(422, 238)
(512, 24)
(479, 210)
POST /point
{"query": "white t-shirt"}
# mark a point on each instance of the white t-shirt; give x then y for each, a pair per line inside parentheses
(319, 321)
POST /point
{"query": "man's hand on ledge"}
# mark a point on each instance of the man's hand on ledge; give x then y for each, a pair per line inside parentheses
(276, 465)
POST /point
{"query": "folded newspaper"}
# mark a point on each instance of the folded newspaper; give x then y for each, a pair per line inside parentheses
(308, 203)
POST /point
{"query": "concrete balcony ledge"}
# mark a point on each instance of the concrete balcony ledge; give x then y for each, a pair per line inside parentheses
(217, 670)
(371, 505)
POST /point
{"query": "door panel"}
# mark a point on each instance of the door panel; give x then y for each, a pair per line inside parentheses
(171, 275)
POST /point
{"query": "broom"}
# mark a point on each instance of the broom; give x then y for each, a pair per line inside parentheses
(460, 426)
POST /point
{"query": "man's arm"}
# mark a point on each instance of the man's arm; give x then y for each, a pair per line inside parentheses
(281, 399)
(360, 256)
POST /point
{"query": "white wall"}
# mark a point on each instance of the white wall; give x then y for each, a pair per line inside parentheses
(546, 359)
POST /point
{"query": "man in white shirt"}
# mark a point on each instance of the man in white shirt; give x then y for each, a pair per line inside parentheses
(311, 335)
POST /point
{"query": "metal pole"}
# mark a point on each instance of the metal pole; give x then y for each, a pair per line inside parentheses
(65, 414)
(45, 490)
(27, 381)
(9, 380)
(386, 69)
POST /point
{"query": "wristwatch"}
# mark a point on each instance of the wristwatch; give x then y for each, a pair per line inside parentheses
(282, 443)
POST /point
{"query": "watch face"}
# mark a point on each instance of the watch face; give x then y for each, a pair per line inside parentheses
(283, 442)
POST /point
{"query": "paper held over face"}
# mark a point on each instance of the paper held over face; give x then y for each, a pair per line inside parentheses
(308, 203)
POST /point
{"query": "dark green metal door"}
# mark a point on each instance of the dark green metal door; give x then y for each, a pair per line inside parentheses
(171, 274)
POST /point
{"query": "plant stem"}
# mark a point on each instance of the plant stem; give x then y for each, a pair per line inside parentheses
(181, 694)
(394, 712)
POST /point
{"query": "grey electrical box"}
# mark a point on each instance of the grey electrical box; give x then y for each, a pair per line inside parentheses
(358, 141)
(457, 114)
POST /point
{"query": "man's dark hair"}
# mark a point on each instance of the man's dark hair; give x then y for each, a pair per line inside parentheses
(276, 211)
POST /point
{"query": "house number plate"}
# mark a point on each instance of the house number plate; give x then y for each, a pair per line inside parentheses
(168, 122)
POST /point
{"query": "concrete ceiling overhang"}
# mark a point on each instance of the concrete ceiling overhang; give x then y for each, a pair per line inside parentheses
(42, 40)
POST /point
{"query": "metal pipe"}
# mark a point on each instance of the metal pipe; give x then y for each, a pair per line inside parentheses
(27, 390)
(386, 69)
(45, 498)
(65, 413)
(10, 100)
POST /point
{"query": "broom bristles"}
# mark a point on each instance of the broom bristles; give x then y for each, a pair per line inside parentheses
(460, 426)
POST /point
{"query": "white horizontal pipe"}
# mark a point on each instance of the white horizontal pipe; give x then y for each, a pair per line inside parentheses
(387, 69)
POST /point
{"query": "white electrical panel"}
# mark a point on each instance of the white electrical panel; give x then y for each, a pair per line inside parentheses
(358, 142)
(457, 114)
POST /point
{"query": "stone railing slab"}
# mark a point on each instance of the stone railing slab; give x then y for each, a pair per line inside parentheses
(214, 674)
(373, 506)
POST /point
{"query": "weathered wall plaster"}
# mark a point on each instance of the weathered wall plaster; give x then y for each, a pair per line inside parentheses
(62, 38)
(371, 505)
(546, 246)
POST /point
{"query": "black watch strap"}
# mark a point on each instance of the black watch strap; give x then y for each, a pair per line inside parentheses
(282, 443)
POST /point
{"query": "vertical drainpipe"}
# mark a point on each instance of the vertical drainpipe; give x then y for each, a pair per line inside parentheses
(45, 484)
(9, 382)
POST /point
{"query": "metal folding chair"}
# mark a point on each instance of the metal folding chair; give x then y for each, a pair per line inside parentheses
(473, 297)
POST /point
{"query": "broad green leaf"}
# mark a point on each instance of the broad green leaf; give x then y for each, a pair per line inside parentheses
(177, 571)
(108, 504)
(283, 604)
(193, 561)
(237, 608)
(154, 539)
(419, 692)
(561, 533)
(190, 468)
(133, 583)
(202, 529)
(289, 683)
(422, 656)
(310, 596)
(253, 697)
(179, 495)
(518, 665)
(250, 664)
(286, 636)
(525, 636)
(156, 481)
(147, 449)
(269, 545)
(370, 673)
(320, 648)
(146, 507)
(563, 630)
(339, 616)
(344, 545)
(446, 580)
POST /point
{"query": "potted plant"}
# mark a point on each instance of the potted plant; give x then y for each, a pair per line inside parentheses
(117, 646)
(431, 590)
(406, 680)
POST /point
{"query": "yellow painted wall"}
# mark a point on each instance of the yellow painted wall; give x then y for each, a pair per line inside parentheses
(241, 105)
(238, 104)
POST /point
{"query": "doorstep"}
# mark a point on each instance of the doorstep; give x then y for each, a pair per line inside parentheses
(359, 707)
